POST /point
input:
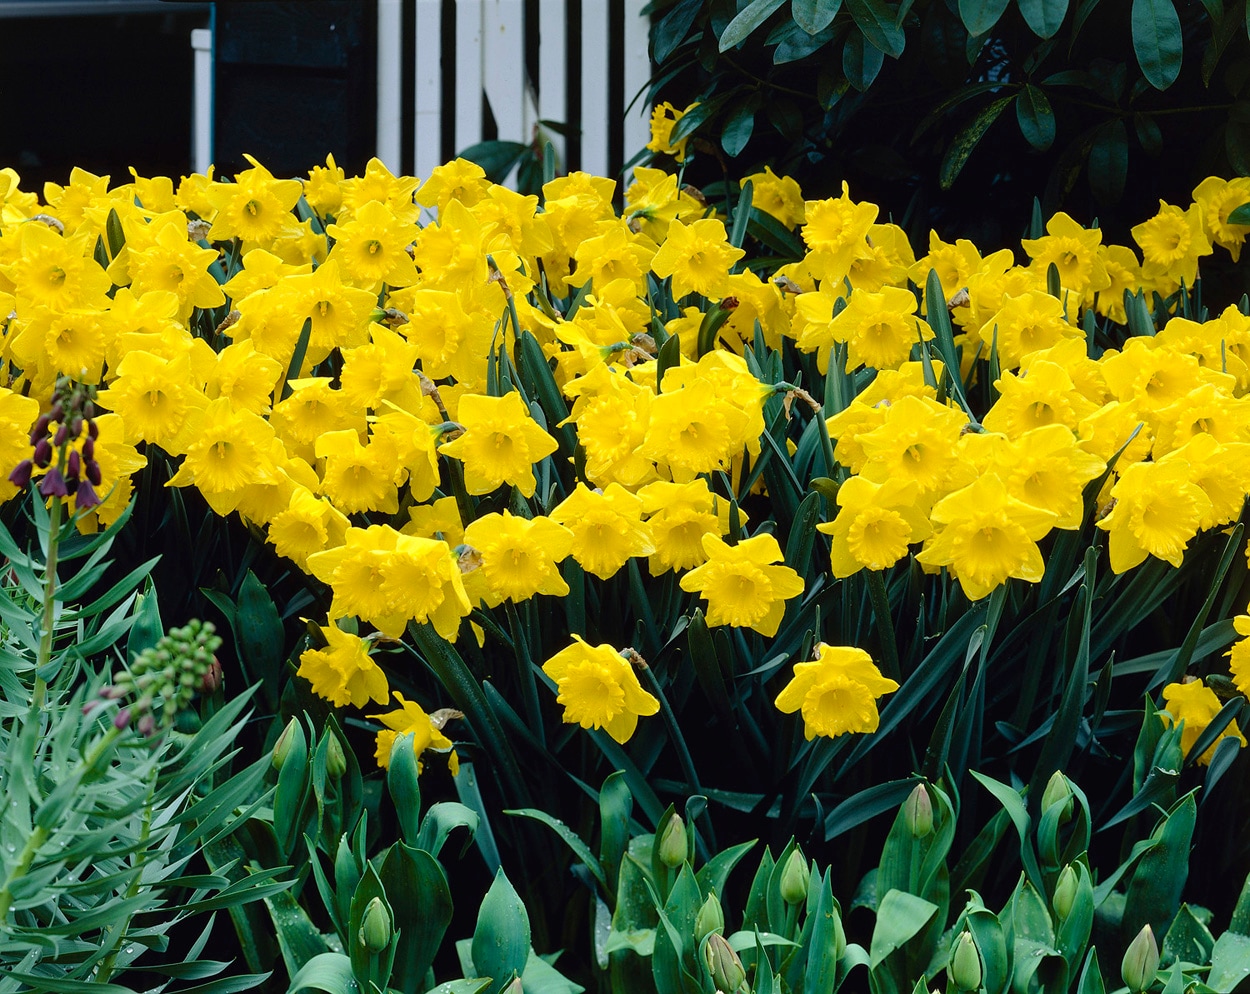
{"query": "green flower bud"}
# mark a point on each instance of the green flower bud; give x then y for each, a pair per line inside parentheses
(711, 918)
(918, 812)
(673, 845)
(1065, 892)
(375, 927)
(282, 748)
(1141, 961)
(723, 964)
(336, 762)
(794, 879)
(965, 963)
(1057, 791)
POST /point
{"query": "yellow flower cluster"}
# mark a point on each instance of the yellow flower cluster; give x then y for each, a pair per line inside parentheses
(330, 358)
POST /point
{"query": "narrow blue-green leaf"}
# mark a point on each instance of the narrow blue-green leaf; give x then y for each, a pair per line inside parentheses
(329, 972)
(742, 215)
(1157, 41)
(1239, 215)
(570, 838)
(748, 19)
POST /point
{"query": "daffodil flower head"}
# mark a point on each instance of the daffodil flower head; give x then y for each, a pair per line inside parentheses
(500, 444)
(1194, 704)
(837, 693)
(598, 688)
(876, 524)
(836, 233)
(1172, 242)
(742, 584)
(1157, 509)
(607, 528)
(664, 118)
(987, 536)
(342, 672)
(426, 731)
(698, 257)
(778, 196)
(1073, 251)
(1219, 198)
(254, 208)
(519, 557)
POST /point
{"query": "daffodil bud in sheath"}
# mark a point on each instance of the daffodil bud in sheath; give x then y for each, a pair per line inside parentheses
(794, 878)
(965, 963)
(1141, 961)
(918, 812)
(673, 845)
(375, 926)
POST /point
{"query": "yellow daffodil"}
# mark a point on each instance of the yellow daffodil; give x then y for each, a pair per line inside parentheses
(837, 693)
(742, 584)
(598, 688)
(343, 672)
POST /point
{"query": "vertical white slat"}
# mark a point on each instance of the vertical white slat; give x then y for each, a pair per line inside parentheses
(595, 87)
(469, 73)
(390, 79)
(553, 70)
(503, 70)
(637, 124)
(428, 132)
(202, 100)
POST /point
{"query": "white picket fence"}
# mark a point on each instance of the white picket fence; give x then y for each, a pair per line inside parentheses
(488, 60)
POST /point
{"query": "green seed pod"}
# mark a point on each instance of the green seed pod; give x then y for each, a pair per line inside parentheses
(282, 748)
(710, 918)
(794, 878)
(918, 812)
(1141, 961)
(723, 964)
(1065, 892)
(965, 963)
(375, 927)
(673, 845)
(1057, 790)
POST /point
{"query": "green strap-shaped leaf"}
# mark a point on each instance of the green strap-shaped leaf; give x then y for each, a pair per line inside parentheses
(964, 142)
(329, 972)
(1157, 41)
(1155, 890)
(1044, 16)
(571, 839)
(749, 18)
(421, 901)
(981, 15)
(1230, 962)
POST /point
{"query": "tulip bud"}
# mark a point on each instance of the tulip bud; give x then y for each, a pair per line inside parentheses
(723, 964)
(918, 812)
(1057, 790)
(282, 748)
(1065, 892)
(336, 762)
(375, 926)
(794, 878)
(1141, 961)
(965, 963)
(710, 918)
(673, 845)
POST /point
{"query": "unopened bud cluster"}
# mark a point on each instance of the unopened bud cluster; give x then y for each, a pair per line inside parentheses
(67, 468)
(166, 677)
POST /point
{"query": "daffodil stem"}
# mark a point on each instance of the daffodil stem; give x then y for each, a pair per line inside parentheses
(529, 683)
(684, 759)
(885, 624)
